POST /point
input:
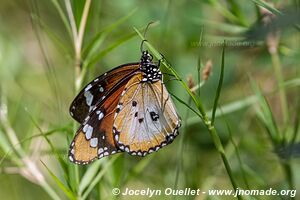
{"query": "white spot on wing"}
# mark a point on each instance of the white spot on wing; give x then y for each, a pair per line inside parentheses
(117, 137)
(89, 131)
(85, 128)
(71, 158)
(88, 87)
(88, 97)
(100, 150)
(101, 89)
(94, 142)
(101, 115)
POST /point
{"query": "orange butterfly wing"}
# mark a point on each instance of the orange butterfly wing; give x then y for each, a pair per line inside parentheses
(98, 89)
(94, 138)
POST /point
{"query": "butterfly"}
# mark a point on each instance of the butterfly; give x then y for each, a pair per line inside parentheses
(127, 109)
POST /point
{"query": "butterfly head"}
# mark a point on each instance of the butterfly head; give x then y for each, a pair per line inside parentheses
(150, 70)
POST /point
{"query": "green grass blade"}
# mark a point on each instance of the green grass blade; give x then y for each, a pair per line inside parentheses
(180, 156)
(218, 92)
(68, 192)
(53, 149)
(94, 44)
(88, 176)
(199, 63)
(99, 176)
(265, 114)
(138, 169)
(4, 144)
(187, 105)
(296, 122)
(236, 10)
(267, 6)
(78, 7)
(229, 108)
(242, 103)
(225, 12)
(62, 16)
(8, 149)
(104, 52)
(225, 27)
(56, 40)
(237, 153)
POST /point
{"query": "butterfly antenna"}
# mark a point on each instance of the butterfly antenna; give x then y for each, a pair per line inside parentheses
(146, 29)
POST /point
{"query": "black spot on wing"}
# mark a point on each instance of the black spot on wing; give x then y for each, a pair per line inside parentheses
(134, 103)
(154, 116)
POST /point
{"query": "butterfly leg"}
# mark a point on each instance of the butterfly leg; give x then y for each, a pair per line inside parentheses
(162, 59)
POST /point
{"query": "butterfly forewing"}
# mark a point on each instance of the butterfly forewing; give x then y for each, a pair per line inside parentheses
(146, 119)
(126, 109)
(94, 138)
(98, 89)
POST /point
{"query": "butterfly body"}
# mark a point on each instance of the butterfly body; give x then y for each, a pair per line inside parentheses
(151, 71)
(127, 109)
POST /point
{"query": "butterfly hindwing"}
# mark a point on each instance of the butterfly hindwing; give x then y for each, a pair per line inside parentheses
(127, 109)
(146, 119)
(97, 90)
(94, 138)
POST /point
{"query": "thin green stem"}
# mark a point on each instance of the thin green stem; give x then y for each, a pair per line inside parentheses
(62, 16)
(33, 172)
(285, 113)
(167, 65)
(219, 146)
(282, 94)
(289, 175)
(211, 128)
(77, 40)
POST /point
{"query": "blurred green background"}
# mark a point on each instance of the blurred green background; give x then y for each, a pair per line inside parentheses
(38, 82)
